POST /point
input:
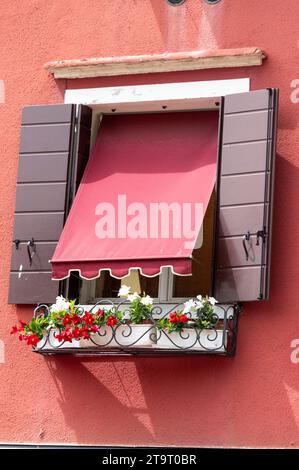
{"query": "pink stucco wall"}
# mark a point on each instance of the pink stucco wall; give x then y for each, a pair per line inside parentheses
(251, 400)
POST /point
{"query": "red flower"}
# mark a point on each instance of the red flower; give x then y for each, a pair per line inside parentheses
(32, 340)
(100, 313)
(88, 318)
(85, 332)
(183, 318)
(59, 336)
(68, 335)
(67, 320)
(76, 319)
(14, 330)
(111, 320)
(22, 323)
(94, 328)
(173, 317)
(77, 333)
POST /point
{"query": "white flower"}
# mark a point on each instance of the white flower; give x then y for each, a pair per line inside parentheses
(190, 306)
(60, 304)
(198, 304)
(132, 297)
(147, 300)
(213, 301)
(126, 316)
(124, 291)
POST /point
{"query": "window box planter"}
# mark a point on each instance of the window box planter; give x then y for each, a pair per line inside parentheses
(123, 336)
(207, 340)
(83, 330)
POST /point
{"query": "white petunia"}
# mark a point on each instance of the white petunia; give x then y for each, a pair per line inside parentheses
(60, 304)
(132, 297)
(126, 316)
(190, 306)
(124, 291)
(199, 297)
(213, 301)
(198, 304)
(147, 300)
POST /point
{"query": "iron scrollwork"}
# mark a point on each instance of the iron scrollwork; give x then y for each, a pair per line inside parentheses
(148, 338)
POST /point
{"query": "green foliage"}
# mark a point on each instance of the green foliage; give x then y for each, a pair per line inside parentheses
(206, 315)
(139, 312)
(37, 326)
(164, 324)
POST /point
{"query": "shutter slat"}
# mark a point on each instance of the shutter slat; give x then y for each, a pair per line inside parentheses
(44, 226)
(244, 196)
(241, 284)
(54, 113)
(244, 158)
(32, 288)
(40, 261)
(249, 188)
(245, 127)
(41, 197)
(244, 102)
(52, 138)
(45, 183)
(234, 220)
(231, 252)
(43, 167)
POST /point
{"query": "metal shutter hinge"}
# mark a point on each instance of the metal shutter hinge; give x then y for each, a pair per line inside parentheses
(30, 244)
(17, 243)
(260, 234)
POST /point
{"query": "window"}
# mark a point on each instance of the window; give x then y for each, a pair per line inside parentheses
(242, 199)
(167, 287)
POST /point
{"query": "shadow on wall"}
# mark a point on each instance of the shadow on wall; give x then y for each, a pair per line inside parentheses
(139, 400)
(95, 402)
(180, 401)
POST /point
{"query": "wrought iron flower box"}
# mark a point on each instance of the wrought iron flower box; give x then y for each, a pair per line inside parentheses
(148, 338)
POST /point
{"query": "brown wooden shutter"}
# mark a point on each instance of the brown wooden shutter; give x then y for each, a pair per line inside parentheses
(53, 151)
(245, 196)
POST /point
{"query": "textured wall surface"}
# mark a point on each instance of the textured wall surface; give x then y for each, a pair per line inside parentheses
(251, 400)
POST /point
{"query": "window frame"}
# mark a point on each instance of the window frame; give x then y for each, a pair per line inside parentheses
(166, 97)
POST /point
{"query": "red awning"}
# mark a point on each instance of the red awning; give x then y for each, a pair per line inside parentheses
(138, 205)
